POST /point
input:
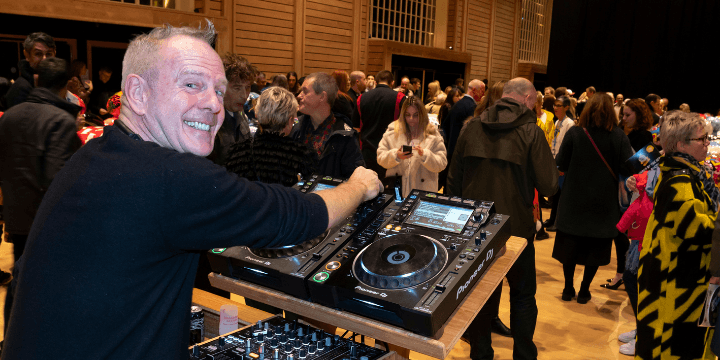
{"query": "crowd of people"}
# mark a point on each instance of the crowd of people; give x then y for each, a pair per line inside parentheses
(183, 107)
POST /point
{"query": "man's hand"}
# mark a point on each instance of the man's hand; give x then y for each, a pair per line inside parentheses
(631, 183)
(367, 179)
(341, 201)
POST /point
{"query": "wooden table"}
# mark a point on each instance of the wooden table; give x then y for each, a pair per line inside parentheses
(439, 347)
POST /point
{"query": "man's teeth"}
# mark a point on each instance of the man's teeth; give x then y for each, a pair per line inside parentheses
(198, 125)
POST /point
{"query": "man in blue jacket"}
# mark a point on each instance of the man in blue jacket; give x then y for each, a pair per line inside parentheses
(115, 244)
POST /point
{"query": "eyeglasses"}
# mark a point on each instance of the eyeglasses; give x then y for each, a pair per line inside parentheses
(556, 105)
(703, 139)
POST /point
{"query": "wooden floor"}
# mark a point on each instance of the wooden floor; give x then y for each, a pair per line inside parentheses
(565, 330)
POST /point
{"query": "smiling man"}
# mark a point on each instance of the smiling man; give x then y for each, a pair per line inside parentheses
(37, 46)
(115, 244)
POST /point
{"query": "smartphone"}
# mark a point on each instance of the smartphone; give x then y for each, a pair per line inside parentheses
(407, 149)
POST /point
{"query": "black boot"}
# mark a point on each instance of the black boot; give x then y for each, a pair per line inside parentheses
(497, 326)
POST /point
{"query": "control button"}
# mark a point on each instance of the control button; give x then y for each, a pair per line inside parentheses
(462, 256)
(321, 276)
(470, 257)
(316, 256)
(453, 247)
(342, 229)
(457, 268)
(389, 226)
(332, 265)
(254, 355)
(476, 250)
(398, 228)
(338, 256)
(218, 250)
(463, 262)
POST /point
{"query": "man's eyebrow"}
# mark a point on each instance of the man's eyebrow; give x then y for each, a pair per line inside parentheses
(191, 72)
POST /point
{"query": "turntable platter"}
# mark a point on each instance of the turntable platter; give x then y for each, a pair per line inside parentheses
(400, 261)
(287, 251)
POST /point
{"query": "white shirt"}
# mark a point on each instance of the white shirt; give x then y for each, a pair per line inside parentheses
(561, 128)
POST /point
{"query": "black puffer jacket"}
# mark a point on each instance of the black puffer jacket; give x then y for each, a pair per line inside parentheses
(503, 156)
(22, 87)
(271, 158)
(341, 154)
(37, 137)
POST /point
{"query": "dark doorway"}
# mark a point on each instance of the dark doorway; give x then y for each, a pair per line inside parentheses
(427, 70)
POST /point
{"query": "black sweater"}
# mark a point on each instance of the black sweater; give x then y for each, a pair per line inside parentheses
(115, 245)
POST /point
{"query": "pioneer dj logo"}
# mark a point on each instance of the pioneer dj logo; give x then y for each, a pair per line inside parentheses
(467, 283)
(370, 291)
(257, 260)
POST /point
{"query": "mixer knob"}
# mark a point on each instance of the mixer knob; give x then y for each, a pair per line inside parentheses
(196, 351)
(353, 351)
(314, 336)
(363, 358)
(274, 342)
(290, 357)
(336, 338)
(291, 335)
(300, 332)
(287, 327)
(298, 343)
(479, 215)
(328, 341)
(260, 337)
(481, 238)
(259, 325)
(261, 349)
(276, 354)
(288, 347)
(302, 354)
(248, 346)
(320, 345)
(311, 348)
(221, 342)
(306, 340)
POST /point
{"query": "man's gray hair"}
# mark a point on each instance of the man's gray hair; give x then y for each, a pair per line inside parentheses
(35, 37)
(143, 52)
(519, 86)
(324, 82)
(679, 126)
(274, 108)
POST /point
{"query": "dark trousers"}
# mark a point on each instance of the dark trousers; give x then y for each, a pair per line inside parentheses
(553, 207)
(18, 242)
(631, 287)
(622, 244)
(523, 312)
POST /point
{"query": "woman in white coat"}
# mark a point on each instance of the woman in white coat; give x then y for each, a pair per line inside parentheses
(419, 169)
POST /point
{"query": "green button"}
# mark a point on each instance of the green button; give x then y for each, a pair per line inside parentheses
(321, 276)
(430, 195)
(218, 250)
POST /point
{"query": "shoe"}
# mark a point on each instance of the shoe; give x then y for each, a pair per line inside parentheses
(628, 349)
(497, 326)
(568, 294)
(5, 277)
(613, 287)
(551, 228)
(628, 336)
(542, 235)
(548, 223)
(609, 280)
(583, 297)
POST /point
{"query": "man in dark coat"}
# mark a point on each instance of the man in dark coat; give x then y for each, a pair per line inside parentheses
(236, 128)
(159, 205)
(378, 108)
(37, 46)
(326, 132)
(462, 110)
(37, 137)
(357, 86)
(502, 156)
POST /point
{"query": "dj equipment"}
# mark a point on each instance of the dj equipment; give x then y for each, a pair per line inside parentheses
(286, 268)
(279, 339)
(429, 252)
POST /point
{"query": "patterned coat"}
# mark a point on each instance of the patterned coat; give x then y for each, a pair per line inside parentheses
(674, 266)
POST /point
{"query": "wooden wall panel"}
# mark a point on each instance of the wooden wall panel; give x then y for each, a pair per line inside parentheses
(264, 34)
(503, 41)
(478, 37)
(329, 26)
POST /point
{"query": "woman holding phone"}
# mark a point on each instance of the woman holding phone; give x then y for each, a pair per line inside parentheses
(413, 149)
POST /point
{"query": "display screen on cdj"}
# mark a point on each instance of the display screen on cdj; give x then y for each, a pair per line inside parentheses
(321, 186)
(439, 216)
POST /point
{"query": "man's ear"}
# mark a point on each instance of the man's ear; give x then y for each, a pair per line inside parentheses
(137, 92)
(324, 96)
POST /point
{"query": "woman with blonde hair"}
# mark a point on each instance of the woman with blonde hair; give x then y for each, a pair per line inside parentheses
(433, 92)
(434, 106)
(418, 168)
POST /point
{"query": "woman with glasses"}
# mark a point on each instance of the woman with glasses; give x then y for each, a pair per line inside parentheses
(420, 166)
(675, 258)
(591, 156)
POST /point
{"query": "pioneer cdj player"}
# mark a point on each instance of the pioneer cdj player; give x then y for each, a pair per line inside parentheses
(286, 268)
(429, 252)
(280, 339)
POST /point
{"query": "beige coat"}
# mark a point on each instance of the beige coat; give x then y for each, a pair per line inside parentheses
(418, 172)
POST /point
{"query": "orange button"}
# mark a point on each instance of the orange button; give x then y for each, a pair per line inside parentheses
(389, 226)
(397, 228)
(254, 355)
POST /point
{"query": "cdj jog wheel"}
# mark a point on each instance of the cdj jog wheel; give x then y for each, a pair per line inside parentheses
(400, 261)
(292, 250)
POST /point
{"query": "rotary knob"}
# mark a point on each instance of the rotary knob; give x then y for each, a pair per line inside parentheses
(274, 253)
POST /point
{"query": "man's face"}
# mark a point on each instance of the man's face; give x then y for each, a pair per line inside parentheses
(370, 77)
(185, 108)
(417, 87)
(657, 106)
(619, 99)
(547, 92)
(477, 93)
(404, 83)
(362, 84)
(261, 82)
(38, 53)
(236, 95)
(104, 76)
(559, 110)
(308, 100)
